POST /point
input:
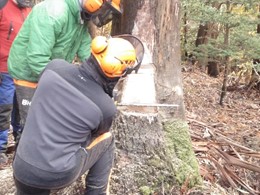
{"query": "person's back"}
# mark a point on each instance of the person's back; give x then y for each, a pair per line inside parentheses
(74, 98)
(54, 30)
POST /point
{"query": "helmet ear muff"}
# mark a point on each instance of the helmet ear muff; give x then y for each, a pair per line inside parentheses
(99, 44)
(113, 55)
(92, 5)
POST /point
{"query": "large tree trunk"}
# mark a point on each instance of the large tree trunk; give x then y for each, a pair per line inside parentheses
(149, 157)
(148, 142)
(167, 56)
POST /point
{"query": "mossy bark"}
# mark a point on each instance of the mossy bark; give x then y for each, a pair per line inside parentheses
(152, 156)
(178, 142)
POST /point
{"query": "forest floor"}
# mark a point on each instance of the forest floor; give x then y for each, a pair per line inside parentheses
(226, 139)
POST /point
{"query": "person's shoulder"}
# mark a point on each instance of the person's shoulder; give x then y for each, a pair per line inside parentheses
(57, 8)
(57, 64)
(54, 9)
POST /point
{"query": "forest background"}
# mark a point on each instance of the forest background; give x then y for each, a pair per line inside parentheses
(223, 36)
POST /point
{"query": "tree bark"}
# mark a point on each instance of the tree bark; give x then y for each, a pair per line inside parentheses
(255, 78)
(167, 56)
(206, 31)
(227, 66)
(148, 156)
(146, 143)
(213, 69)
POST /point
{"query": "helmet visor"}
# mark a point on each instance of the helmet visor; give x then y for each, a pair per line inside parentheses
(105, 14)
(139, 50)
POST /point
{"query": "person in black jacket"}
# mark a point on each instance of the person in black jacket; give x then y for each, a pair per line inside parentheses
(67, 131)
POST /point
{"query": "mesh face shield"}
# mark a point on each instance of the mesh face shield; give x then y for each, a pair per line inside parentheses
(139, 50)
(105, 14)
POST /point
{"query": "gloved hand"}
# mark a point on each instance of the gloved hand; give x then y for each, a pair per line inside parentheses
(1, 78)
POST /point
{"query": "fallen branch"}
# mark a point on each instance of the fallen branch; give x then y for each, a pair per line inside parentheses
(235, 161)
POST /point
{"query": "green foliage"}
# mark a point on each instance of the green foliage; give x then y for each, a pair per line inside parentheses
(241, 19)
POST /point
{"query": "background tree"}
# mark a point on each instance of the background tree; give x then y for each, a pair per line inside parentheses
(207, 26)
(255, 77)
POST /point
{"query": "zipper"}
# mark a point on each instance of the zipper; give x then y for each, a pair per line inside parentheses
(10, 30)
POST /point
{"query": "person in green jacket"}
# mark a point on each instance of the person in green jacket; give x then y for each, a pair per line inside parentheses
(53, 30)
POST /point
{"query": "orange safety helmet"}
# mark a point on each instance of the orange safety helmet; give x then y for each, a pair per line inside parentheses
(92, 6)
(114, 55)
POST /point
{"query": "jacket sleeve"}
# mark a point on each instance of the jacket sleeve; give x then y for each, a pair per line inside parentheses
(42, 39)
(85, 49)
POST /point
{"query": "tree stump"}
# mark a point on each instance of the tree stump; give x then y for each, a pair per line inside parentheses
(151, 156)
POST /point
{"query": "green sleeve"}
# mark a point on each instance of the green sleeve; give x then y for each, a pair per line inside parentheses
(42, 40)
(85, 49)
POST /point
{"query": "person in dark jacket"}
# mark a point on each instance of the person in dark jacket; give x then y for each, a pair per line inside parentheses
(12, 16)
(67, 131)
(54, 30)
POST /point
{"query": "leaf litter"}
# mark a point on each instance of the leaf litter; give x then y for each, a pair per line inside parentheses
(226, 139)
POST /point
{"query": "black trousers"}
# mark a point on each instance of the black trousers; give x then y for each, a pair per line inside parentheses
(22, 189)
(22, 100)
(98, 162)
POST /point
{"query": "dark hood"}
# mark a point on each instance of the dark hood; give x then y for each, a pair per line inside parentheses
(91, 70)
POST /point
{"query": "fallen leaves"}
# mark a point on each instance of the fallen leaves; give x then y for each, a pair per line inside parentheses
(226, 139)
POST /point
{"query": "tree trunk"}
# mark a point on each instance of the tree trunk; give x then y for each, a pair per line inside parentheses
(213, 69)
(226, 71)
(255, 77)
(205, 32)
(167, 55)
(148, 157)
(144, 138)
(92, 29)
